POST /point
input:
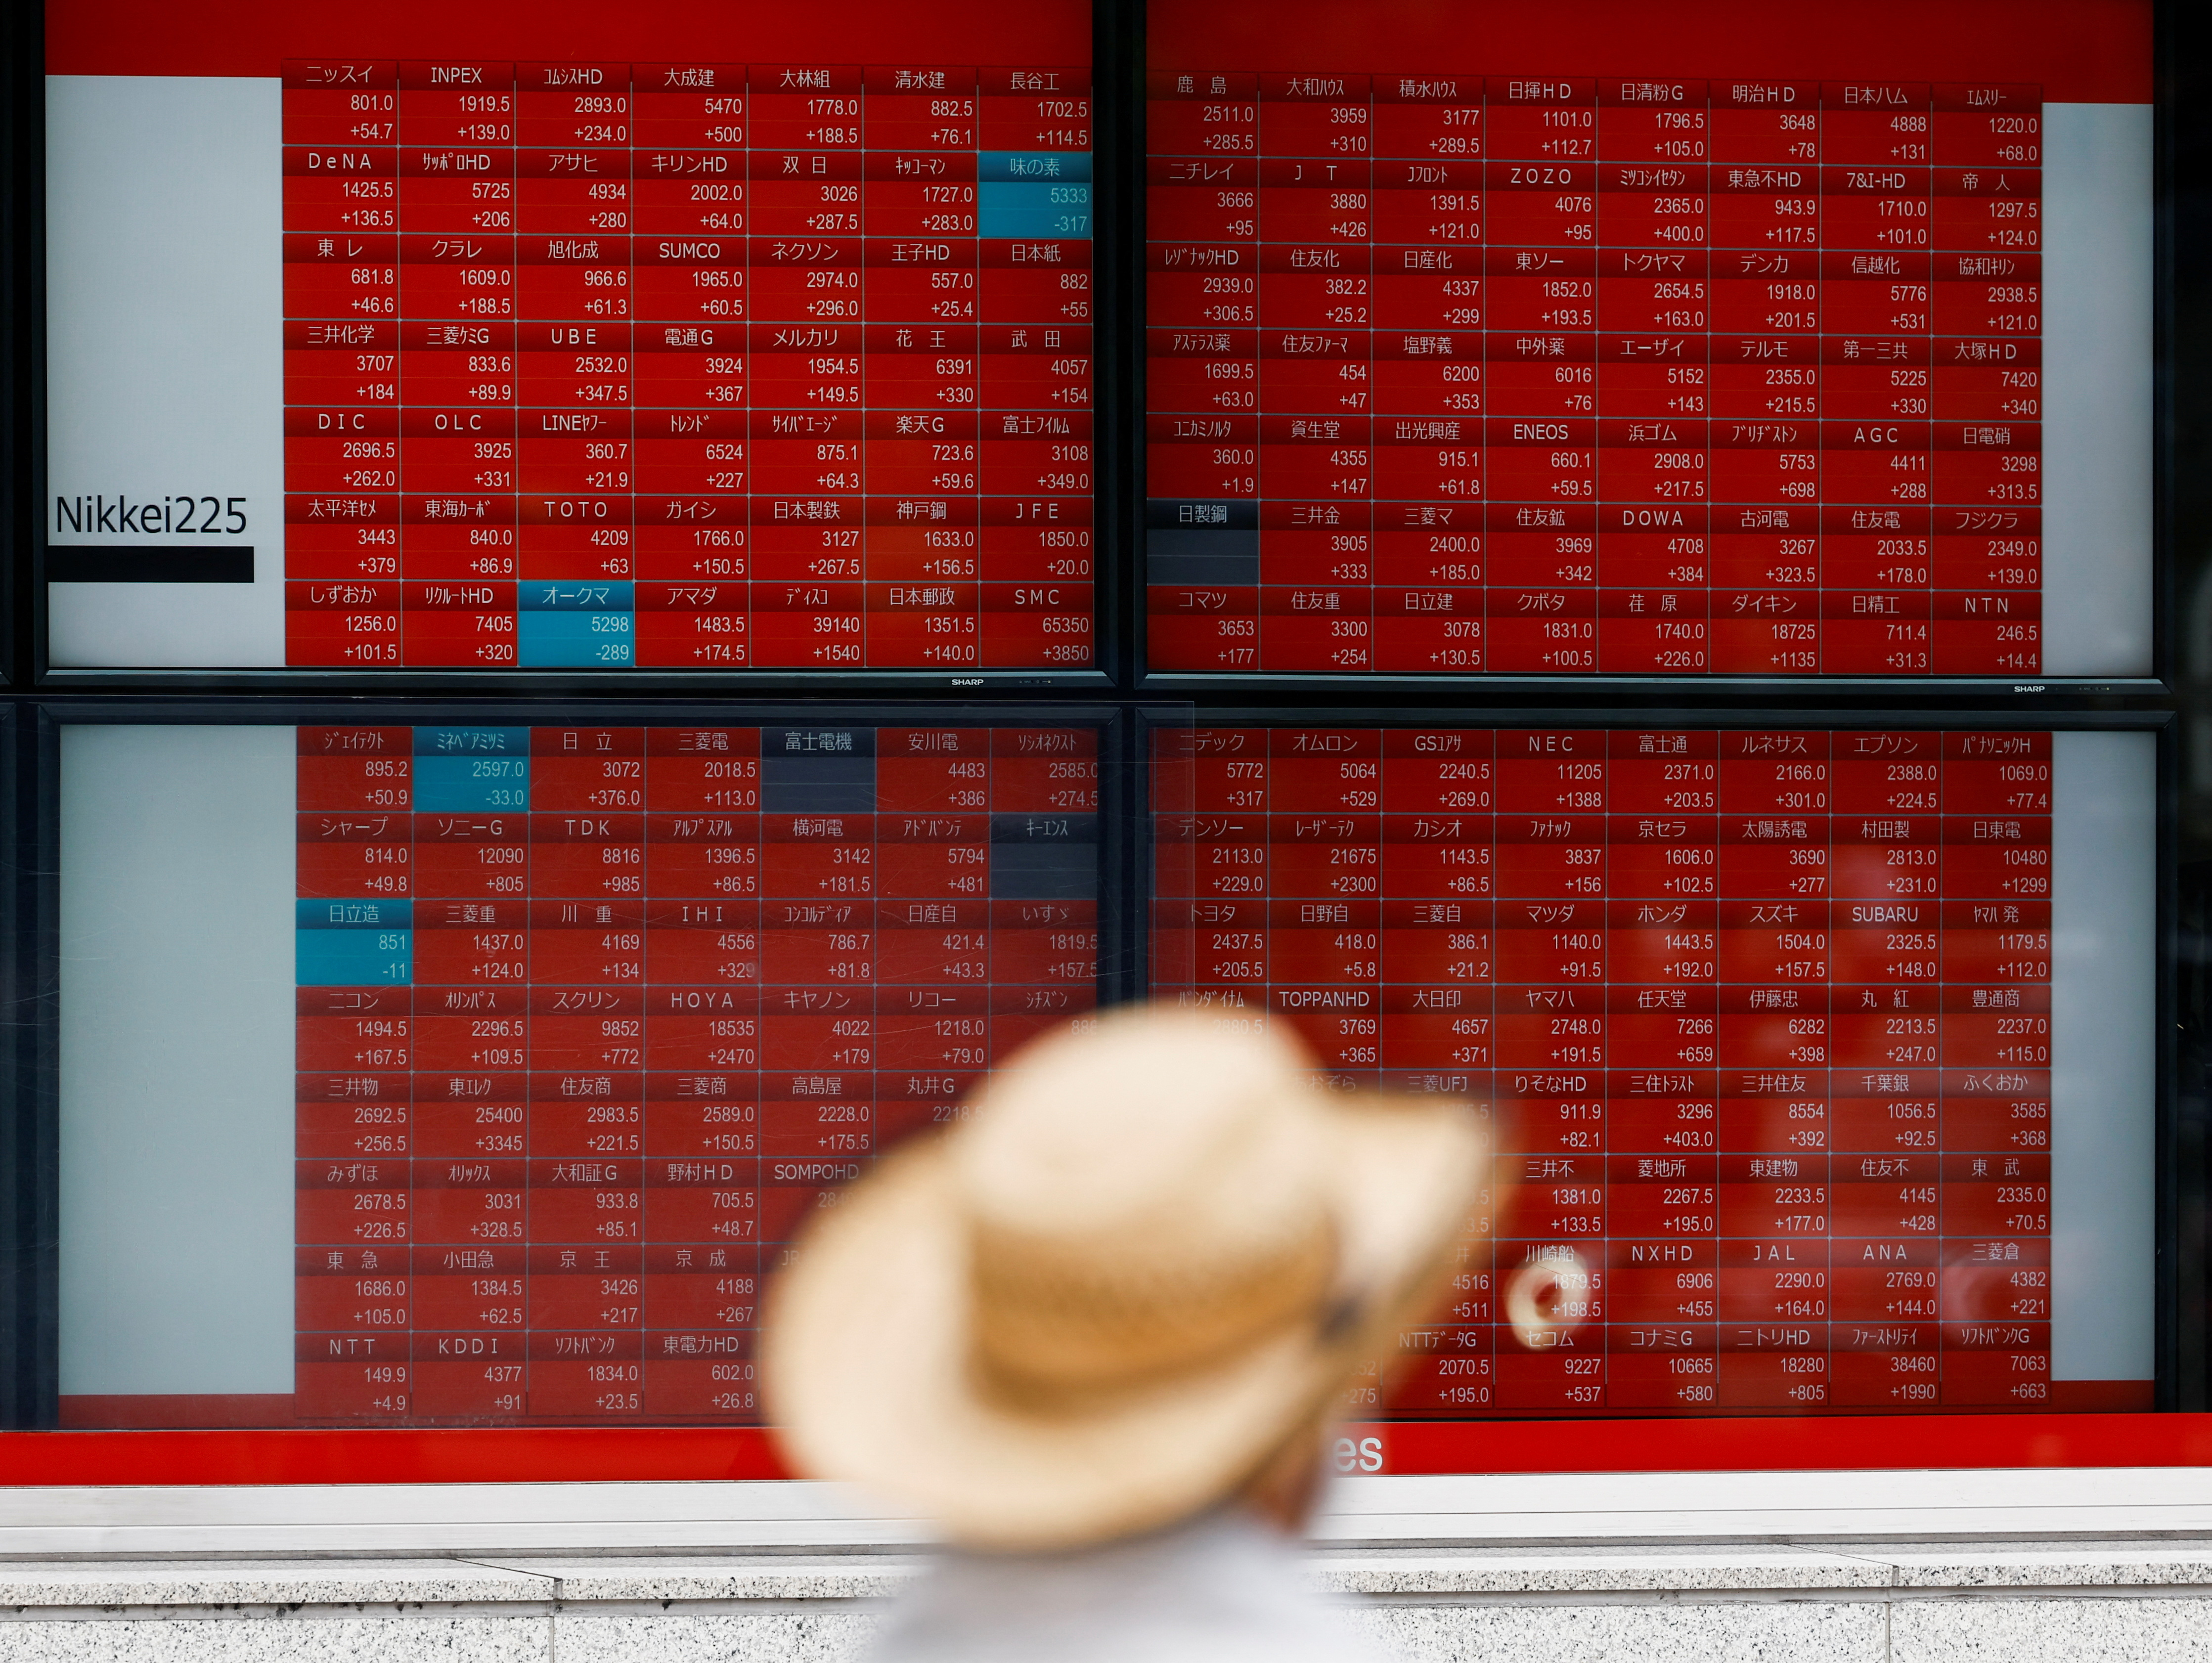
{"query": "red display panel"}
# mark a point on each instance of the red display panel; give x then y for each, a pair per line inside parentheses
(590, 1019)
(1760, 1021)
(510, 1455)
(671, 338)
(1596, 340)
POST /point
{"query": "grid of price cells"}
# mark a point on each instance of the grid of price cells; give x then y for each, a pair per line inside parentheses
(1760, 1021)
(687, 365)
(1543, 375)
(591, 1019)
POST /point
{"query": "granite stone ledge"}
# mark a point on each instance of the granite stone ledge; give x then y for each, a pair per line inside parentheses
(707, 1587)
(663, 1578)
(1803, 1632)
(2078, 1630)
(1409, 1576)
(714, 1637)
(2040, 1565)
(30, 1585)
(423, 1638)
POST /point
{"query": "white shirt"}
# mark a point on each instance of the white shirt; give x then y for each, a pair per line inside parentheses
(1224, 1588)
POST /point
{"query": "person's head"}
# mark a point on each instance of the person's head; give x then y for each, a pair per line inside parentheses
(1129, 1287)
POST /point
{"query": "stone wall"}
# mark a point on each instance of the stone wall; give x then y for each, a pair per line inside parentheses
(2083, 1601)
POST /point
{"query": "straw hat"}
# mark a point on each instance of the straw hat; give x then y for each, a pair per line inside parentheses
(1155, 1250)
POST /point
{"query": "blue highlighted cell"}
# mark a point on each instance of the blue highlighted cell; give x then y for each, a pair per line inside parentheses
(353, 958)
(581, 625)
(597, 641)
(1028, 198)
(472, 742)
(1033, 166)
(470, 785)
(355, 915)
(587, 595)
(1033, 211)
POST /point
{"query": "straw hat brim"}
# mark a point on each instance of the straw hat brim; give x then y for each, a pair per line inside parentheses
(869, 1375)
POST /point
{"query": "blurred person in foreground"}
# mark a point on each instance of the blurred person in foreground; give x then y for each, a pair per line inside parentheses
(1098, 1331)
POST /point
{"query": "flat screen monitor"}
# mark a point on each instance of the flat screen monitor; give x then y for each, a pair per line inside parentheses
(650, 338)
(427, 1069)
(1606, 339)
(1820, 1062)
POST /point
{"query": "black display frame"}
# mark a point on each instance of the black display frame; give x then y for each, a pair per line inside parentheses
(1120, 694)
(1601, 685)
(30, 1222)
(30, 908)
(23, 484)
